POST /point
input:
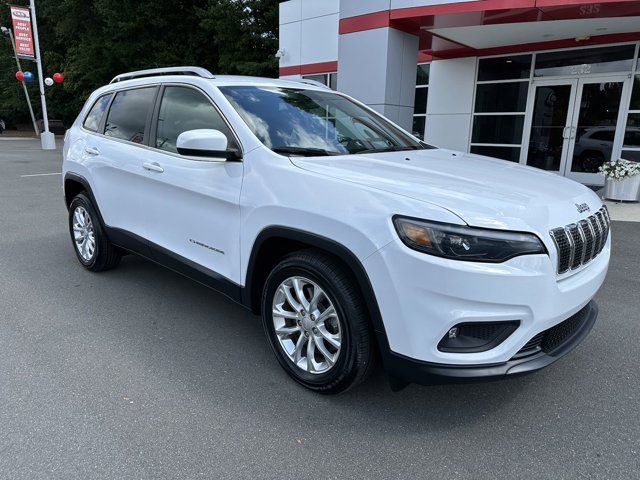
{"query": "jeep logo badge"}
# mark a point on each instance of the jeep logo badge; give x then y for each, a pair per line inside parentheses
(582, 207)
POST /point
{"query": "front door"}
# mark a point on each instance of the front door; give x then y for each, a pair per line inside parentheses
(575, 125)
(193, 205)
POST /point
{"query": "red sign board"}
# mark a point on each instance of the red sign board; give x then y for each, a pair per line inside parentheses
(21, 18)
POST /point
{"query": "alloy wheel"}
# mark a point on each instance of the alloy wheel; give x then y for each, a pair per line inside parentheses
(307, 325)
(83, 234)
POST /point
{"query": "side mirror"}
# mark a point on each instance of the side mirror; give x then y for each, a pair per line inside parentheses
(205, 143)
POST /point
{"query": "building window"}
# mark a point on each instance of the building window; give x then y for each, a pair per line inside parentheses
(618, 58)
(500, 106)
(631, 142)
(420, 103)
(328, 79)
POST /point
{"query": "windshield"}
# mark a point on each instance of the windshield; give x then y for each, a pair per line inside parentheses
(308, 122)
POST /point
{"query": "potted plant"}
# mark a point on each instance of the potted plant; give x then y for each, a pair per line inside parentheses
(621, 180)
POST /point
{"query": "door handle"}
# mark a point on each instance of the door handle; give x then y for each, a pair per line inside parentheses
(92, 151)
(564, 132)
(153, 167)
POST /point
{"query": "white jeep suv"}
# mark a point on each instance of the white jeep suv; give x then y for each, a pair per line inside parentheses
(348, 235)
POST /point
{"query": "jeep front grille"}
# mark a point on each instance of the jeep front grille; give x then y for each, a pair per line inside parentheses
(579, 243)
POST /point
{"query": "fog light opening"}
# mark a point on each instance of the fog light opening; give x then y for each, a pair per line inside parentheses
(476, 336)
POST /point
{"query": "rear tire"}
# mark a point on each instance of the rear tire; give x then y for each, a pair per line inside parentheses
(92, 247)
(324, 340)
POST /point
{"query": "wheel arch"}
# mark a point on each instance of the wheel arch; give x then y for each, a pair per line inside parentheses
(75, 184)
(274, 242)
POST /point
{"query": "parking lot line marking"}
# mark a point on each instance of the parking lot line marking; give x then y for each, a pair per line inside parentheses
(40, 175)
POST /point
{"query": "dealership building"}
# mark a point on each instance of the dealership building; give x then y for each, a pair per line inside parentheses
(553, 84)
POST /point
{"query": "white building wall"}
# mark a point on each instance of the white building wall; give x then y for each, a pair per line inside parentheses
(450, 103)
(378, 67)
(308, 32)
(352, 8)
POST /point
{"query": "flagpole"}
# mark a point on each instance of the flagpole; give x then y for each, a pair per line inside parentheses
(47, 138)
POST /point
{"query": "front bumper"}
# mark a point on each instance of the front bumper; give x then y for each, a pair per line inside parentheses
(425, 373)
(422, 297)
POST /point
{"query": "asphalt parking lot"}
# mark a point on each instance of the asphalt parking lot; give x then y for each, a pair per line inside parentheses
(141, 373)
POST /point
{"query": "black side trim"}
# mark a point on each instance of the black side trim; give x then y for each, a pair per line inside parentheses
(160, 255)
(425, 373)
(129, 241)
(333, 247)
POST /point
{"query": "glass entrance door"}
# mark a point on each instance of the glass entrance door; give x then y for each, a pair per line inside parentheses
(575, 125)
(548, 123)
(597, 128)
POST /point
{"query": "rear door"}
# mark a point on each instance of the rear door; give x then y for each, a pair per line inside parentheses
(192, 206)
(119, 178)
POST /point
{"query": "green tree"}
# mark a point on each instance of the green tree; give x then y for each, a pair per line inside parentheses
(91, 41)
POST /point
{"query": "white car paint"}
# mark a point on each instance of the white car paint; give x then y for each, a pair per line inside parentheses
(351, 200)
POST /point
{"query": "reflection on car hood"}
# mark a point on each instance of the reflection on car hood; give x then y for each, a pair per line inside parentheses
(484, 192)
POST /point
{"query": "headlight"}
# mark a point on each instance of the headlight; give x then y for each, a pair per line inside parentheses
(465, 243)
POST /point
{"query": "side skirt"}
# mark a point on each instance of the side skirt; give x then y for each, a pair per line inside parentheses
(140, 246)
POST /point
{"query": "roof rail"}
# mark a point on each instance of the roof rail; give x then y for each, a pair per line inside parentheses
(308, 81)
(194, 71)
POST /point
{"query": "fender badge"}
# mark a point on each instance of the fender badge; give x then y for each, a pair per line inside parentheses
(204, 245)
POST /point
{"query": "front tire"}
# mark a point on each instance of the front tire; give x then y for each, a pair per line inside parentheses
(316, 322)
(92, 247)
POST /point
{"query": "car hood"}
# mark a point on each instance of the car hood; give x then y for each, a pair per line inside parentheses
(482, 191)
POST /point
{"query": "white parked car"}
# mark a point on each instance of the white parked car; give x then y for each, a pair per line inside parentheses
(347, 234)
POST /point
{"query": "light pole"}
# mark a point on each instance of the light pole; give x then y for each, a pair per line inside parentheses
(8, 32)
(47, 138)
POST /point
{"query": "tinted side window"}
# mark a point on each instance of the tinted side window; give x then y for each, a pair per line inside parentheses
(128, 114)
(184, 109)
(92, 121)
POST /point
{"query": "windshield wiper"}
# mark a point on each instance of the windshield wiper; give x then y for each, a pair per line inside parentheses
(304, 151)
(389, 149)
